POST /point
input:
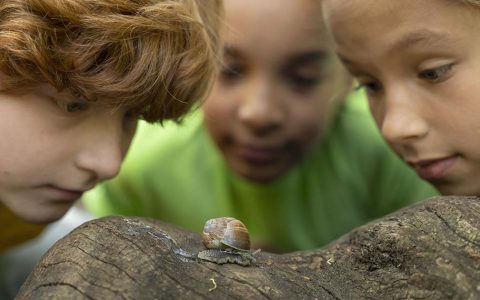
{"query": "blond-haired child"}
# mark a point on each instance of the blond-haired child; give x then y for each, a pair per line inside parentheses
(419, 62)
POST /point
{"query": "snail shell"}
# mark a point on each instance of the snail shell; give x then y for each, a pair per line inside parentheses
(226, 233)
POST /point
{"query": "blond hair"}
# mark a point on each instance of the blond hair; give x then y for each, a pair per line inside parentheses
(472, 2)
(156, 56)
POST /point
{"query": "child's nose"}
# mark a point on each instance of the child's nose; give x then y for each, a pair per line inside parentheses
(403, 120)
(102, 154)
(260, 109)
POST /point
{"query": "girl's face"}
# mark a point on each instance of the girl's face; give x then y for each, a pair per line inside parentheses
(277, 86)
(54, 148)
(419, 62)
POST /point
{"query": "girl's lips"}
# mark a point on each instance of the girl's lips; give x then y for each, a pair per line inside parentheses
(434, 169)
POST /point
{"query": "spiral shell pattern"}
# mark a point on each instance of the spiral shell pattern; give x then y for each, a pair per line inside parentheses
(226, 233)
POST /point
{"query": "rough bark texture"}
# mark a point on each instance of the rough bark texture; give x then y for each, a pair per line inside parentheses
(430, 250)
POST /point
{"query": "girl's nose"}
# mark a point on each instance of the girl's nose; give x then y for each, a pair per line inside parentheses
(403, 120)
(260, 110)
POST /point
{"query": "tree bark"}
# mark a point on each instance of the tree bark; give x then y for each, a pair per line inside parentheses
(430, 250)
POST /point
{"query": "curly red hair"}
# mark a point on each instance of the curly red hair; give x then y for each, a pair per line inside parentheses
(156, 56)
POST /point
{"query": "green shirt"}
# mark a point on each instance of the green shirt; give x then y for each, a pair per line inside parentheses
(176, 174)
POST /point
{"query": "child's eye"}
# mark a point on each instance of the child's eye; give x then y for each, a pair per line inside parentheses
(302, 82)
(76, 106)
(133, 114)
(72, 106)
(232, 72)
(369, 86)
(130, 119)
(435, 74)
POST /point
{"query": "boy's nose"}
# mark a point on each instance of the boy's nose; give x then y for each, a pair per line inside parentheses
(259, 109)
(403, 121)
(102, 155)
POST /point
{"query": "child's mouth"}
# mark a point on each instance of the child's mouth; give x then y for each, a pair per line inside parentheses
(434, 169)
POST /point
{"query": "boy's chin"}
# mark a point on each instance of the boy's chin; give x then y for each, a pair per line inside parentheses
(44, 216)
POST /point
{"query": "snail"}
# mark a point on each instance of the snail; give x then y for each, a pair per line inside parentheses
(227, 241)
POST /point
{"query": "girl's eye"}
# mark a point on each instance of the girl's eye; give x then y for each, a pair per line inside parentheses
(435, 74)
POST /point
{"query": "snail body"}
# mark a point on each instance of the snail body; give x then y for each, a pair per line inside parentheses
(225, 257)
(227, 241)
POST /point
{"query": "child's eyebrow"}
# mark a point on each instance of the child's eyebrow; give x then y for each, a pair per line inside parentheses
(424, 36)
(310, 56)
(230, 51)
(420, 37)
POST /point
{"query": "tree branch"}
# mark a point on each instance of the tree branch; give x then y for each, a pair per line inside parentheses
(428, 250)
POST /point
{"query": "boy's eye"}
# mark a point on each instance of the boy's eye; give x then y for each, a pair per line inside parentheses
(76, 106)
(131, 118)
(435, 74)
(72, 106)
(134, 114)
